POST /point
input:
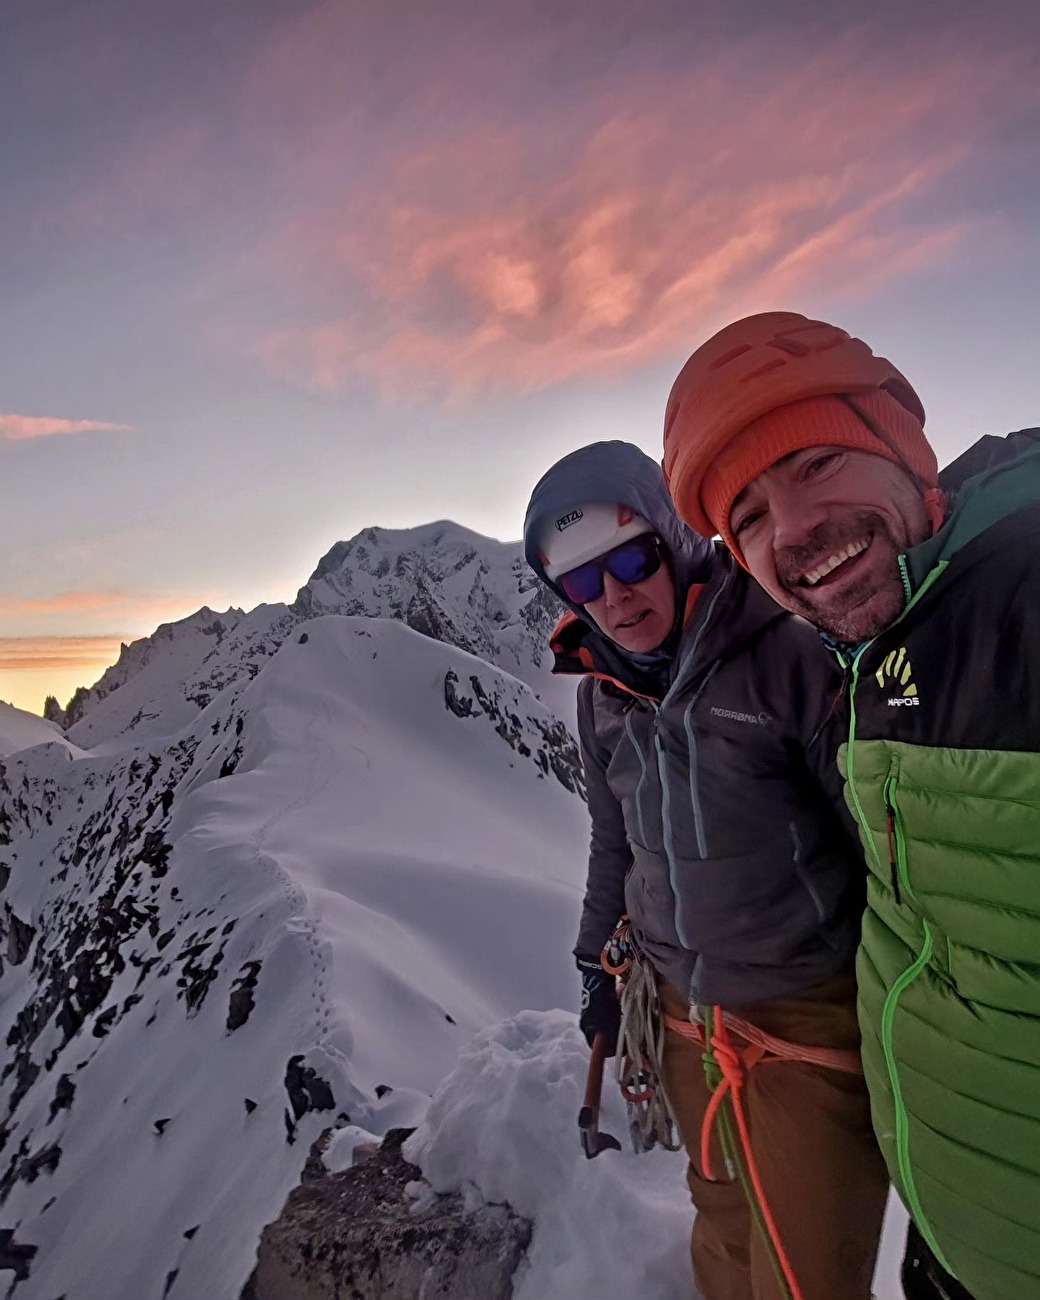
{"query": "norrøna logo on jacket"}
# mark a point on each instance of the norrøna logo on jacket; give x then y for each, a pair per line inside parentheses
(760, 719)
(896, 671)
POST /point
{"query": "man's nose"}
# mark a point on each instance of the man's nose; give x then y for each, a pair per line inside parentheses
(794, 515)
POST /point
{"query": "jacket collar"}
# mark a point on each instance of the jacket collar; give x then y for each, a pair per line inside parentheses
(979, 502)
(720, 615)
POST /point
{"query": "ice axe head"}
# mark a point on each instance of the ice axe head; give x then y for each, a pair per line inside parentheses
(592, 1140)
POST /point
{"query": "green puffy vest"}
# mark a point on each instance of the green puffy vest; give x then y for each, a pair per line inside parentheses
(942, 771)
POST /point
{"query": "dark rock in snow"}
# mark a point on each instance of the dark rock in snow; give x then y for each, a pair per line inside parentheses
(42, 1162)
(460, 705)
(306, 1088)
(64, 1092)
(15, 1256)
(355, 1234)
(20, 935)
(240, 1001)
(557, 753)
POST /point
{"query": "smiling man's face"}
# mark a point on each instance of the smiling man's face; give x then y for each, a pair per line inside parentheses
(822, 531)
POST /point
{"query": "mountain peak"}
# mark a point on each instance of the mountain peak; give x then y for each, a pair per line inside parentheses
(444, 580)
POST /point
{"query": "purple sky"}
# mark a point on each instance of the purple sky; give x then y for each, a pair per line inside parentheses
(274, 271)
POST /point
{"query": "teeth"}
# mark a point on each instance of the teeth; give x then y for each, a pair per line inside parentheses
(817, 575)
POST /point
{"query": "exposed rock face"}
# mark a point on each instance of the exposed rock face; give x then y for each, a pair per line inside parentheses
(359, 1234)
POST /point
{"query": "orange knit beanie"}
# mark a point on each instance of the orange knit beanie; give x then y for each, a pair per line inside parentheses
(873, 422)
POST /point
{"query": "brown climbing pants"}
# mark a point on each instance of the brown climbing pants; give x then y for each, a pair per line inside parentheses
(821, 1170)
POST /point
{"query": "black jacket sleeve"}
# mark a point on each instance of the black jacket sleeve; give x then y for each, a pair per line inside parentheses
(609, 854)
(824, 725)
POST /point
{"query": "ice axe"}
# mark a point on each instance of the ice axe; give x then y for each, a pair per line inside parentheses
(592, 1140)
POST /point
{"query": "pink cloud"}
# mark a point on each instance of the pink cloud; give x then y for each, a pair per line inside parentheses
(69, 602)
(20, 428)
(138, 611)
(58, 653)
(511, 255)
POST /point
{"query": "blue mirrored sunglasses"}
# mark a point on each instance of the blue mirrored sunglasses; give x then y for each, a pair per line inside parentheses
(632, 562)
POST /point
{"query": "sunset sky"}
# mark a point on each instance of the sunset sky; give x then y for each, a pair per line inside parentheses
(274, 271)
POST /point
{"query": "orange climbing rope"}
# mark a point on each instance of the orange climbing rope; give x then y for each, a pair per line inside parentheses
(734, 1063)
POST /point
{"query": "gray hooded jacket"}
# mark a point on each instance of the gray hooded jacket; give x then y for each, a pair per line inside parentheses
(711, 794)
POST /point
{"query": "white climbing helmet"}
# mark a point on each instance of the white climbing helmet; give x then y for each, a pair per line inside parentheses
(589, 530)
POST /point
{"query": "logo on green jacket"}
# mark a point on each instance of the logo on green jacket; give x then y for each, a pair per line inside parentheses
(896, 672)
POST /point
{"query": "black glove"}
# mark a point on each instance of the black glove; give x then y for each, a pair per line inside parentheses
(600, 1008)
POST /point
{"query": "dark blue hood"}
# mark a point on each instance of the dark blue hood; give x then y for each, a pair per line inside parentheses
(620, 473)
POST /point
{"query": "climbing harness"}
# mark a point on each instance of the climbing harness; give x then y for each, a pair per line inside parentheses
(726, 1066)
(731, 1048)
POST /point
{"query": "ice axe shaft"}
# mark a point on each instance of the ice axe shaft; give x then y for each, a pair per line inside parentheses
(592, 1140)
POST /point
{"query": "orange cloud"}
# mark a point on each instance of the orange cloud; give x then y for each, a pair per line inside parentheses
(57, 653)
(19, 428)
(512, 257)
(71, 602)
(31, 668)
(94, 613)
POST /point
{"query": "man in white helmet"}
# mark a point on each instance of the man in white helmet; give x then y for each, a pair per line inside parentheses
(700, 714)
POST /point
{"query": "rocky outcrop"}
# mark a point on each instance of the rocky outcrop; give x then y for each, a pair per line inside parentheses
(554, 749)
(375, 1232)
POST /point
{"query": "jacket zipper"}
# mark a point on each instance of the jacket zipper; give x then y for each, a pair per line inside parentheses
(905, 575)
(662, 775)
(891, 832)
(630, 732)
(897, 850)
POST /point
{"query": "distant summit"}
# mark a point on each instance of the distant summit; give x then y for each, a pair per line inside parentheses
(440, 579)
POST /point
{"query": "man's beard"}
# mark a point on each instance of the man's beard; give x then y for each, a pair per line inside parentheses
(868, 605)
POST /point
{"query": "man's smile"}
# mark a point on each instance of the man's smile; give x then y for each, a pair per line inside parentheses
(835, 566)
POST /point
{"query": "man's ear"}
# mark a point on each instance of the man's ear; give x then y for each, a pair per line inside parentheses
(935, 507)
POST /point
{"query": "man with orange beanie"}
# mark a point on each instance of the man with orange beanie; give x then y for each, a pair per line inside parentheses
(807, 454)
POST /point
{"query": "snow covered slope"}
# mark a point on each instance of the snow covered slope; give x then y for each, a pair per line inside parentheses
(441, 579)
(21, 730)
(218, 944)
(161, 682)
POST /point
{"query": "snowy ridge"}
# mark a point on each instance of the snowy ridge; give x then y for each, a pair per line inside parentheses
(22, 730)
(194, 637)
(441, 579)
(222, 943)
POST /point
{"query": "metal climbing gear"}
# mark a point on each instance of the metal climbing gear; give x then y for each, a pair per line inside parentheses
(640, 1046)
